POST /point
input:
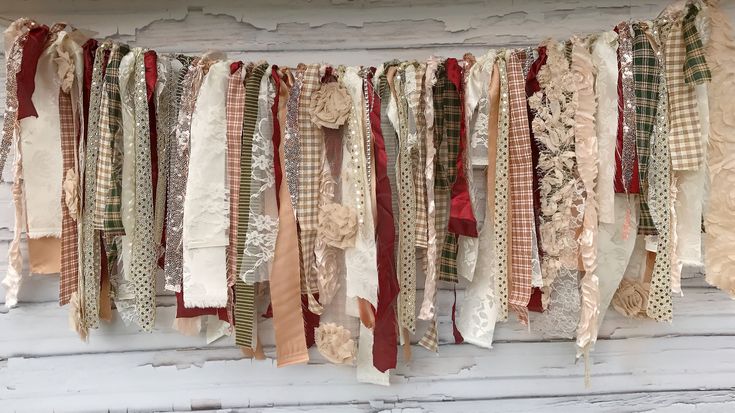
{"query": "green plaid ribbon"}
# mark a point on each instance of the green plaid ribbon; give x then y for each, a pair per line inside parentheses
(447, 119)
(109, 161)
(696, 70)
(646, 73)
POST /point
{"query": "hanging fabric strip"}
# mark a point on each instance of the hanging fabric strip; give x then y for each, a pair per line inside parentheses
(501, 194)
(69, 66)
(428, 309)
(245, 290)
(626, 175)
(587, 166)
(478, 311)
(604, 49)
(288, 320)
(685, 129)
(461, 217)
(417, 103)
(385, 341)
(521, 190)
(659, 197)
(260, 239)
(179, 166)
(407, 208)
(90, 239)
(15, 37)
(646, 77)
(206, 206)
(39, 136)
(719, 236)
(143, 255)
(110, 122)
(446, 139)
(561, 194)
(311, 141)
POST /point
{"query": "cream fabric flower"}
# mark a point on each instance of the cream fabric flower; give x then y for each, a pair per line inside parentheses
(631, 298)
(71, 193)
(64, 68)
(337, 225)
(330, 105)
(334, 343)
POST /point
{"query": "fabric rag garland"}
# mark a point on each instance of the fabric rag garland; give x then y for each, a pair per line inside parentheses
(554, 181)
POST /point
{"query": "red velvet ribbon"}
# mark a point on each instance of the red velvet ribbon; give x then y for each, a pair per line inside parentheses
(533, 86)
(385, 340)
(461, 217)
(26, 76)
(276, 137)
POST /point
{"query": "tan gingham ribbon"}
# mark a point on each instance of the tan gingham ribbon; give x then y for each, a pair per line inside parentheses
(521, 190)
(684, 131)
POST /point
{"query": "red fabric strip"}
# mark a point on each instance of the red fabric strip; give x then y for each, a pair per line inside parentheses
(533, 86)
(461, 217)
(26, 76)
(276, 134)
(385, 341)
(151, 77)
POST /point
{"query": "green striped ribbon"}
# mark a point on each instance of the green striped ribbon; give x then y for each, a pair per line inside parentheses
(245, 292)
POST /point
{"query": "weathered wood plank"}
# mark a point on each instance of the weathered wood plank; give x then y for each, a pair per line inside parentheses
(179, 379)
(701, 312)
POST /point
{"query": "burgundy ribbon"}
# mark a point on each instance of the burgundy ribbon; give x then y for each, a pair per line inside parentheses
(461, 217)
(26, 76)
(385, 341)
(276, 137)
(533, 86)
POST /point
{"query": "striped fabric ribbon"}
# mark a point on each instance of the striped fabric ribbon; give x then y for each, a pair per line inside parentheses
(245, 292)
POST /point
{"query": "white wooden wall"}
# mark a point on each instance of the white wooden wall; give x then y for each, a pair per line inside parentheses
(637, 365)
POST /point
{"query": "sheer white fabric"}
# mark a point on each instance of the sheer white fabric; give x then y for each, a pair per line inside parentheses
(124, 291)
(478, 312)
(360, 260)
(260, 240)
(428, 309)
(40, 139)
(614, 249)
(604, 58)
(477, 117)
(206, 207)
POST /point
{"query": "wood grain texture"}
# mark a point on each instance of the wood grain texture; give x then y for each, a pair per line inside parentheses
(685, 366)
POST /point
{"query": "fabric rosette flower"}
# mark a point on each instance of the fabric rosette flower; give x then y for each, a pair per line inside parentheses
(337, 225)
(631, 298)
(330, 105)
(334, 343)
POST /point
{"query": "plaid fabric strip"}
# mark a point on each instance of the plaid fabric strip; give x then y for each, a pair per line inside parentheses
(312, 145)
(419, 158)
(696, 70)
(235, 111)
(69, 276)
(684, 133)
(521, 189)
(109, 171)
(646, 75)
(235, 108)
(245, 292)
(446, 141)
